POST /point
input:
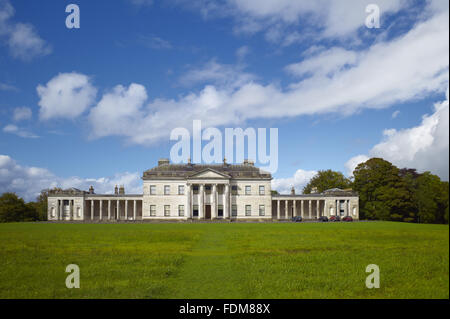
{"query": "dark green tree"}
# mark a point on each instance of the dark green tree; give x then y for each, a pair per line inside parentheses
(327, 179)
(432, 199)
(12, 208)
(382, 192)
(42, 204)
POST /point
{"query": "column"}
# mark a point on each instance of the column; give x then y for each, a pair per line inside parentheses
(109, 209)
(226, 206)
(278, 209)
(92, 209)
(214, 203)
(188, 201)
(310, 208)
(201, 202)
(61, 209)
(118, 210)
(70, 210)
(134, 209)
(317, 209)
(338, 212)
(286, 211)
(294, 212)
(101, 209)
(301, 208)
(346, 208)
(126, 209)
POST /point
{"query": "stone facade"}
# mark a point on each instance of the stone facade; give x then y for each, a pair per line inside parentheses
(200, 192)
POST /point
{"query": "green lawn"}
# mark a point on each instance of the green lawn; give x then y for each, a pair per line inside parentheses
(224, 260)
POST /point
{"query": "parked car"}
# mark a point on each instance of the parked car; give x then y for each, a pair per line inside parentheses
(347, 219)
(297, 219)
(323, 219)
(335, 218)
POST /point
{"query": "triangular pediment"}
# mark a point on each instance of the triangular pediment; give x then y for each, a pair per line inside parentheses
(208, 173)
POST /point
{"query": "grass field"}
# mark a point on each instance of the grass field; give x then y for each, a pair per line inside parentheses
(224, 260)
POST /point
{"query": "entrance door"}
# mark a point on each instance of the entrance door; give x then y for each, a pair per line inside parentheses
(207, 211)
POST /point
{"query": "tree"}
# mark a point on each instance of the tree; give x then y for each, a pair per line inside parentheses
(327, 179)
(12, 208)
(432, 199)
(42, 204)
(382, 192)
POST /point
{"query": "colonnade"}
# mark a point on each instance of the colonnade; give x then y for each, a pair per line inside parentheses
(310, 208)
(111, 209)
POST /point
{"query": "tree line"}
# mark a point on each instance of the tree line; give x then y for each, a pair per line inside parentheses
(14, 209)
(387, 192)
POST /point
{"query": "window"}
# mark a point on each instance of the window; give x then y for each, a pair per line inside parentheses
(234, 189)
(234, 210)
(262, 210)
(53, 211)
(248, 210)
(180, 189)
(248, 190)
(152, 210)
(208, 189)
(261, 190)
(78, 211)
(180, 210)
(195, 189)
(166, 190)
(66, 202)
(220, 210)
(152, 189)
(195, 210)
(166, 210)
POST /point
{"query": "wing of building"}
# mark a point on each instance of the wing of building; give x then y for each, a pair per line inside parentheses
(198, 191)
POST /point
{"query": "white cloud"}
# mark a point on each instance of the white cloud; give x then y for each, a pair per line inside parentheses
(424, 147)
(417, 64)
(142, 2)
(22, 113)
(14, 129)
(154, 42)
(27, 181)
(298, 181)
(67, 95)
(395, 114)
(222, 75)
(22, 39)
(327, 18)
(119, 112)
(8, 87)
(325, 63)
(351, 164)
(242, 52)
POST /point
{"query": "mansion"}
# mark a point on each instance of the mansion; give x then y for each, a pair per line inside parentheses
(200, 192)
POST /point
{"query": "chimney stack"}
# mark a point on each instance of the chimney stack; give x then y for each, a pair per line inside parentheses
(292, 190)
(163, 161)
(122, 190)
(116, 190)
(91, 190)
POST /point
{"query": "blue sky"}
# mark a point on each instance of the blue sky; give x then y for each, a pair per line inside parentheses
(338, 91)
